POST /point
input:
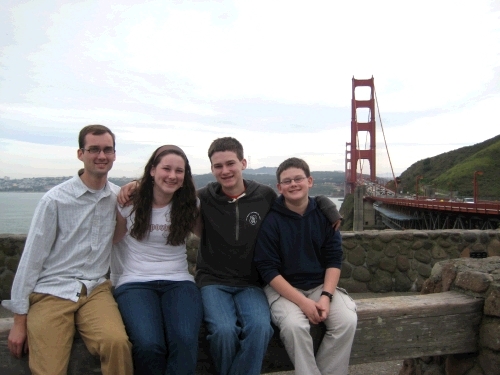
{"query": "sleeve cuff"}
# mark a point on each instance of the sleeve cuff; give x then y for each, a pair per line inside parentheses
(17, 307)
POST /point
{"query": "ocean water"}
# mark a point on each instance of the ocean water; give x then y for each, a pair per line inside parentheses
(17, 209)
(338, 202)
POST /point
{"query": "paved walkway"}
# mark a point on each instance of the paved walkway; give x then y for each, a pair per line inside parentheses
(376, 368)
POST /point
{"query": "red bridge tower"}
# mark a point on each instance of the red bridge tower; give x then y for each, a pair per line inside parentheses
(354, 154)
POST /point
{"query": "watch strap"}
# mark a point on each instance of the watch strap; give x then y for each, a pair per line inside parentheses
(328, 294)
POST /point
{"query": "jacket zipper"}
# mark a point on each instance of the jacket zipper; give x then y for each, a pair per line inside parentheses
(237, 220)
(237, 211)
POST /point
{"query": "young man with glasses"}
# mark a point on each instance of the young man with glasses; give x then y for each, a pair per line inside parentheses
(61, 283)
(299, 256)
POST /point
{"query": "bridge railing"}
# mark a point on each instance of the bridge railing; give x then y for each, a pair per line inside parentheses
(481, 207)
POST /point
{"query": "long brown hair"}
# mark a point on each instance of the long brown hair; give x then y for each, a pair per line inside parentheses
(184, 210)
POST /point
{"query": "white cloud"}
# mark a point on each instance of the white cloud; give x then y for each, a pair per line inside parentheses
(25, 159)
(188, 72)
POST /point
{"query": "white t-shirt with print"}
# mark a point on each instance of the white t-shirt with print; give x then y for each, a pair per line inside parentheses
(151, 258)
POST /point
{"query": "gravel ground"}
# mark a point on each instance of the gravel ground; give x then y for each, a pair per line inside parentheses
(376, 368)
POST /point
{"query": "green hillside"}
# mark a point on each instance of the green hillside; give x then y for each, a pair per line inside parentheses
(454, 172)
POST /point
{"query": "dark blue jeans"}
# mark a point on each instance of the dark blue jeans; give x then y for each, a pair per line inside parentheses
(163, 320)
(239, 328)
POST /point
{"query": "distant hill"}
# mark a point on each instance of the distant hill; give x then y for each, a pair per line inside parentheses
(263, 170)
(326, 183)
(454, 171)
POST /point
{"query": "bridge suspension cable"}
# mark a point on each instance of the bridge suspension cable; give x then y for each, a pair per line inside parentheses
(385, 141)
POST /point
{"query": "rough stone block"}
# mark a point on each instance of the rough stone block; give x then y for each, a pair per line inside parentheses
(402, 263)
(459, 364)
(475, 281)
(494, 248)
(357, 256)
(492, 302)
(346, 271)
(402, 282)
(388, 264)
(361, 274)
(423, 256)
(391, 250)
(417, 245)
(424, 270)
(470, 236)
(489, 334)
(438, 253)
(448, 275)
(489, 362)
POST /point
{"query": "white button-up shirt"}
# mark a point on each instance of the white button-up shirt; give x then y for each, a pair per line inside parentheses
(68, 244)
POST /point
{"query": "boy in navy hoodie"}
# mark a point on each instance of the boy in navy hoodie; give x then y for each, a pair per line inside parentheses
(299, 256)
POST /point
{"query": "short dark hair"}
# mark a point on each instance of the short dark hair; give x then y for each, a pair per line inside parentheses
(293, 163)
(94, 130)
(226, 144)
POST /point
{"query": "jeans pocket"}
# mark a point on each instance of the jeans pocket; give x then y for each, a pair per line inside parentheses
(349, 302)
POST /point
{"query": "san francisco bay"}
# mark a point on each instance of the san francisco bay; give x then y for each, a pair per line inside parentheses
(17, 209)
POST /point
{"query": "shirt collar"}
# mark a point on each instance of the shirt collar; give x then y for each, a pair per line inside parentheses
(80, 188)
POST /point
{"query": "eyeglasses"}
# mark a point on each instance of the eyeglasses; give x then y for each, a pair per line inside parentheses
(297, 180)
(97, 150)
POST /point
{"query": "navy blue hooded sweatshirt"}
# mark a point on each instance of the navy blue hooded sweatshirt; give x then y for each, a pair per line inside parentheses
(298, 247)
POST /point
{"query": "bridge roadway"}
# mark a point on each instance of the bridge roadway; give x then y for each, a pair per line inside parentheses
(427, 213)
(481, 207)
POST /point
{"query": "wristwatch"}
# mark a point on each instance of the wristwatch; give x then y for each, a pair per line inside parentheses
(328, 294)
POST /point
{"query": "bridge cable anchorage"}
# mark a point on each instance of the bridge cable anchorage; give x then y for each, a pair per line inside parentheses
(383, 134)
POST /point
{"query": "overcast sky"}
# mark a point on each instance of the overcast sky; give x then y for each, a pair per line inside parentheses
(277, 75)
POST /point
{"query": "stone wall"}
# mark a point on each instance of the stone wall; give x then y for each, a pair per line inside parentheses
(374, 261)
(400, 261)
(384, 261)
(11, 248)
(479, 278)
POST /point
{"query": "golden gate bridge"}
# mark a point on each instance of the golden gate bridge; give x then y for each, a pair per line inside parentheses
(403, 211)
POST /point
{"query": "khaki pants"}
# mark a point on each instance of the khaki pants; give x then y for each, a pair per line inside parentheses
(51, 329)
(335, 348)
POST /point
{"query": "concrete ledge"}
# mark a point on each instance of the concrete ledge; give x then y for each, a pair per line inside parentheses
(389, 328)
(83, 363)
